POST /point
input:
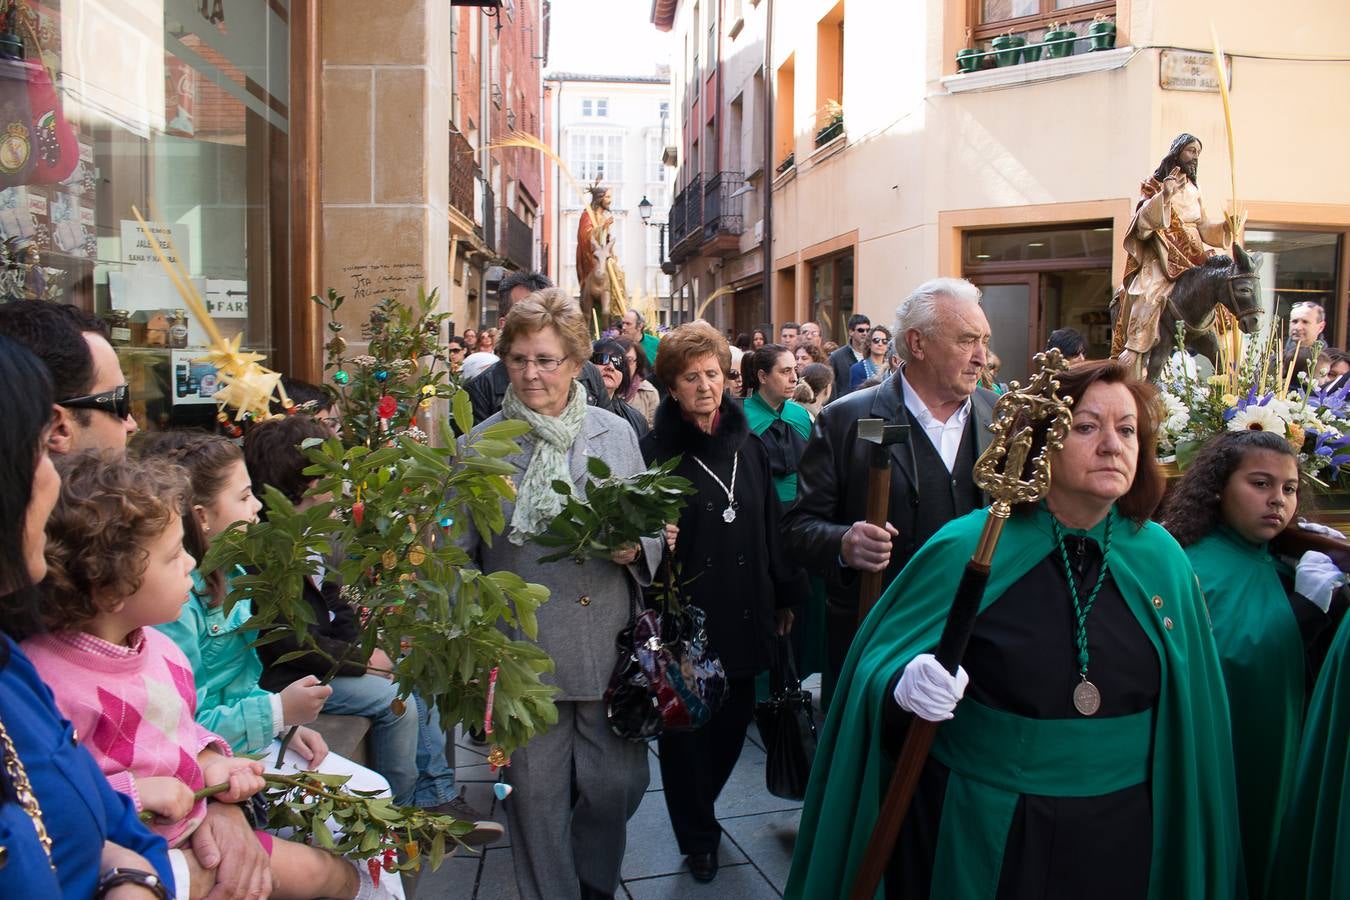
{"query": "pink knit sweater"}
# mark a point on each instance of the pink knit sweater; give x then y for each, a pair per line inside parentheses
(133, 708)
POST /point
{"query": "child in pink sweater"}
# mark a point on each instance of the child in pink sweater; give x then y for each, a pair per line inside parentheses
(117, 566)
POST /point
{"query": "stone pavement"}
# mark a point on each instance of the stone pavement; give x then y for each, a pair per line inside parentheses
(759, 830)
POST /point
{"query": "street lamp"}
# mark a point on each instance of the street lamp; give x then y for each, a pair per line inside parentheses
(645, 210)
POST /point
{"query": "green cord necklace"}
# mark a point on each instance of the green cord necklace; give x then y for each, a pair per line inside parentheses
(1086, 698)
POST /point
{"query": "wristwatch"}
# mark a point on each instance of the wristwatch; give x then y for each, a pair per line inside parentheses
(117, 877)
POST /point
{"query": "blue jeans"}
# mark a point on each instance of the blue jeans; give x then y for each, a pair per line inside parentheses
(403, 748)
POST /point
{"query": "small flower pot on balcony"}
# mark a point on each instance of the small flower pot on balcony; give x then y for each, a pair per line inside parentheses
(1031, 52)
(1008, 49)
(968, 60)
(1103, 35)
(1059, 44)
(830, 132)
(786, 163)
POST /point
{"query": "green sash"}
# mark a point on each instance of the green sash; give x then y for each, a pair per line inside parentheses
(996, 756)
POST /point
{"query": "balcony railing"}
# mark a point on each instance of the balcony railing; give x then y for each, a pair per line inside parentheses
(722, 211)
(463, 171)
(519, 241)
(690, 203)
(676, 230)
(489, 218)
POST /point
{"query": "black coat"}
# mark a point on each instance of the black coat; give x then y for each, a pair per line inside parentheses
(487, 388)
(841, 361)
(737, 572)
(832, 485)
(334, 630)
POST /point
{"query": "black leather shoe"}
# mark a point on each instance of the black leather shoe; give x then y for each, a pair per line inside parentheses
(703, 866)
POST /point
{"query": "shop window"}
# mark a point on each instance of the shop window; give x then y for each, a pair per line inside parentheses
(1037, 280)
(184, 119)
(832, 295)
(1297, 267)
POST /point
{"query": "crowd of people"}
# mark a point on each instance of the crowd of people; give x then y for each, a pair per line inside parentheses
(1149, 705)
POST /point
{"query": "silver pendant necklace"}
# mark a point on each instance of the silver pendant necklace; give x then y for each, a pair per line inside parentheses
(728, 514)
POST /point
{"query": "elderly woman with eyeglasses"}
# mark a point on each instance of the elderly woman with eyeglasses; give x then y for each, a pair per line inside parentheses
(577, 783)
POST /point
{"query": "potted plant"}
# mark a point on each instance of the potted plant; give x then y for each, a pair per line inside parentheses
(1008, 48)
(968, 59)
(788, 162)
(1032, 52)
(1059, 41)
(1102, 32)
(832, 114)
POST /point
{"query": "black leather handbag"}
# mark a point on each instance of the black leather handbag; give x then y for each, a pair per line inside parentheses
(666, 678)
(787, 725)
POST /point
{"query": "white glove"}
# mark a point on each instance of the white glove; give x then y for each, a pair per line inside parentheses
(1316, 577)
(1319, 528)
(928, 690)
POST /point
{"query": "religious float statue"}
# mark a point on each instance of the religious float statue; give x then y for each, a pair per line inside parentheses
(602, 282)
(1177, 272)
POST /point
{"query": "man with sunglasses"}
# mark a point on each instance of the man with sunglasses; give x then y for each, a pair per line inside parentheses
(93, 408)
(852, 352)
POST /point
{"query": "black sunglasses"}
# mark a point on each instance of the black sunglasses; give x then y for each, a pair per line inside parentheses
(617, 360)
(117, 401)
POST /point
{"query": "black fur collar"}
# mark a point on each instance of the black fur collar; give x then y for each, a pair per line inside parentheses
(674, 434)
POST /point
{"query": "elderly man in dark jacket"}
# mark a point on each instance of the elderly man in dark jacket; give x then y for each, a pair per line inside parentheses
(941, 337)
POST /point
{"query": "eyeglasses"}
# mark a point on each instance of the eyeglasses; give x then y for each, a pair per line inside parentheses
(116, 401)
(881, 340)
(616, 360)
(454, 349)
(517, 363)
(734, 375)
(861, 329)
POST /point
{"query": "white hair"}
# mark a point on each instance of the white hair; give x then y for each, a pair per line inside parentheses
(1310, 304)
(922, 309)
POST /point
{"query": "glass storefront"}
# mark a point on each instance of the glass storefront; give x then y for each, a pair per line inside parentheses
(832, 296)
(178, 108)
(1296, 267)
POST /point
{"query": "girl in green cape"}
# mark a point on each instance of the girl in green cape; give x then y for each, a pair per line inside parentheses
(1090, 756)
(1241, 491)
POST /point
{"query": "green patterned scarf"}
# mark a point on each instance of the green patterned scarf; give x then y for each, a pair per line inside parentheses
(536, 501)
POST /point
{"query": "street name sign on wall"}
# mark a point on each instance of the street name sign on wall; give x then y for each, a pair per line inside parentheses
(1191, 70)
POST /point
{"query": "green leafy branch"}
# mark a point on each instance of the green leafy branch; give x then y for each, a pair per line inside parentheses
(611, 512)
(368, 825)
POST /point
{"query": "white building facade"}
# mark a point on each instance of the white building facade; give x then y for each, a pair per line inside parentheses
(614, 130)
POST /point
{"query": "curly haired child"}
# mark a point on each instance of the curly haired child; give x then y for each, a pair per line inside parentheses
(116, 568)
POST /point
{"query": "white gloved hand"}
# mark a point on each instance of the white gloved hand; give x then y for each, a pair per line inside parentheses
(928, 690)
(1316, 577)
(1319, 528)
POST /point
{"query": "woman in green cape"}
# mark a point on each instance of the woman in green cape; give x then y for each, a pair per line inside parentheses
(1241, 491)
(1091, 756)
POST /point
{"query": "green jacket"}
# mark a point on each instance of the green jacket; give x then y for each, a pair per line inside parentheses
(1264, 668)
(650, 344)
(1195, 840)
(761, 416)
(226, 668)
(1310, 856)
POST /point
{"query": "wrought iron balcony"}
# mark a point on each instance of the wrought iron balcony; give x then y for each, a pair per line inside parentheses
(722, 219)
(519, 241)
(463, 171)
(687, 242)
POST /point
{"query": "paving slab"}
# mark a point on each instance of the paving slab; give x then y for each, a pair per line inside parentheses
(739, 882)
(767, 840)
(651, 849)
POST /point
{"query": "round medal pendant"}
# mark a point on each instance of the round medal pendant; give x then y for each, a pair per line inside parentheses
(729, 514)
(1086, 698)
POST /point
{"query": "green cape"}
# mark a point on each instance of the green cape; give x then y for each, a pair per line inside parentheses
(1195, 839)
(1311, 859)
(1264, 667)
(759, 416)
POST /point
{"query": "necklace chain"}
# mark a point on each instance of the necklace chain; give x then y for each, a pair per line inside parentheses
(1081, 611)
(730, 491)
(28, 801)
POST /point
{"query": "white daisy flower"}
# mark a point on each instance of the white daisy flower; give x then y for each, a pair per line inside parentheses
(1257, 418)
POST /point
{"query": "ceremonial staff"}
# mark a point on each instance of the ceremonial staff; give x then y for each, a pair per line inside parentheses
(1006, 474)
(882, 437)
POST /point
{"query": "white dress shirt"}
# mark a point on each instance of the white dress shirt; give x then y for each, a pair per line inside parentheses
(944, 436)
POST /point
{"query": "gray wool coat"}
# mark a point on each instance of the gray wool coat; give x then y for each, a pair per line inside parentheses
(588, 603)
